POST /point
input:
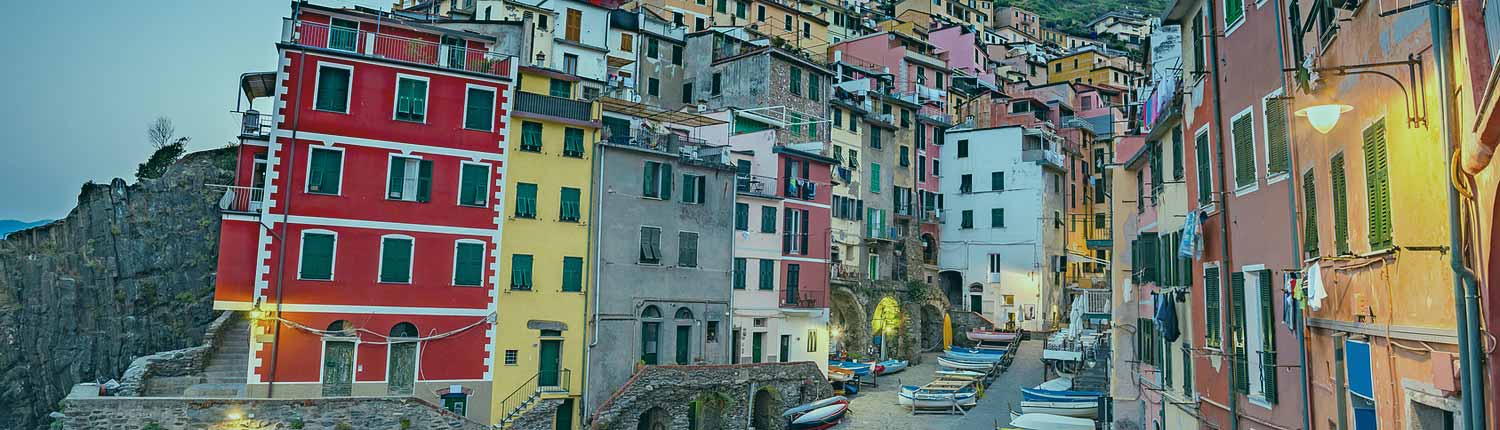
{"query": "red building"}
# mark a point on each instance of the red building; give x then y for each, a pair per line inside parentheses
(362, 228)
(806, 227)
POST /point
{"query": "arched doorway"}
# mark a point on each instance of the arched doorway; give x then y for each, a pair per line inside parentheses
(929, 249)
(976, 298)
(762, 409)
(848, 330)
(885, 325)
(338, 359)
(707, 412)
(654, 419)
(952, 284)
(932, 328)
(401, 371)
(650, 333)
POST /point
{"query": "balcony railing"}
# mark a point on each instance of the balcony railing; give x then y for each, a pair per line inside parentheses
(688, 148)
(554, 381)
(397, 48)
(798, 188)
(255, 125)
(240, 199)
(846, 272)
(554, 106)
(763, 186)
(1045, 157)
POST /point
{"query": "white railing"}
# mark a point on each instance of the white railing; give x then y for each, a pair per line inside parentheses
(398, 48)
(240, 199)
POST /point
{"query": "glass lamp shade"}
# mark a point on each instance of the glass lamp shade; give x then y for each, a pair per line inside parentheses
(1324, 117)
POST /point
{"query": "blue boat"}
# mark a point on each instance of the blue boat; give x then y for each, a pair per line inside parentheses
(975, 358)
(892, 366)
(1039, 395)
(977, 350)
(858, 368)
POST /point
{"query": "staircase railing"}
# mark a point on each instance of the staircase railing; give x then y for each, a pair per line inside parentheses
(521, 400)
(519, 397)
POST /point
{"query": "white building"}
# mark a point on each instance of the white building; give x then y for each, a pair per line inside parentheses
(1002, 223)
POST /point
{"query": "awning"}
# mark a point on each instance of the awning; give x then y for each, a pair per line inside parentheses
(644, 111)
(1074, 257)
(258, 84)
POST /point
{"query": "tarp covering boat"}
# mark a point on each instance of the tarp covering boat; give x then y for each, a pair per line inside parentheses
(1051, 422)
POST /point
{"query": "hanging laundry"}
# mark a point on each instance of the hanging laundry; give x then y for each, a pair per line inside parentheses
(1315, 291)
(812, 190)
(1288, 310)
(1186, 248)
(1166, 317)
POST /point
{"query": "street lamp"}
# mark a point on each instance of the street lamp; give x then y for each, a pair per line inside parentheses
(1324, 117)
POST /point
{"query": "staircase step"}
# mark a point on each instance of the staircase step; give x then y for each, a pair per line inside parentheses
(215, 390)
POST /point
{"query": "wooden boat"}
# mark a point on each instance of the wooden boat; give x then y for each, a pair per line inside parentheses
(859, 369)
(992, 351)
(803, 409)
(993, 336)
(1049, 422)
(1068, 409)
(964, 395)
(839, 374)
(1056, 384)
(943, 361)
(820, 418)
(975, 358)
(959, 374)
(890, 366)
(1036, 395)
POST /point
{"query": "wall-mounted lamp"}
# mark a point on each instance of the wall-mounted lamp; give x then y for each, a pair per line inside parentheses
(1324, 117)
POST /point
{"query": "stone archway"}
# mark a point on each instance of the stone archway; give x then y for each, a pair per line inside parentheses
(951, 282)
(654, 419)
(886, 324)
(708, 412)
(849, 329)
(932, 327)
(763, 410)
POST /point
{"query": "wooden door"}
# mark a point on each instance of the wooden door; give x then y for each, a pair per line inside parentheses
(338, 369)
(549, 363)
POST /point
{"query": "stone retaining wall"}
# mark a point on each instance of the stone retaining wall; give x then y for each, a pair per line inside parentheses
(667, 393)
(181, 362)
(81, 411)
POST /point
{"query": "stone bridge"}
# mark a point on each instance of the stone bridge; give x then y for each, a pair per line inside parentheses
(712, 397)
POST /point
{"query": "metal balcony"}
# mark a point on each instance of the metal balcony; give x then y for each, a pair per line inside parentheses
(395, 48)
(242, 200)
(557, 107)
(687, 148)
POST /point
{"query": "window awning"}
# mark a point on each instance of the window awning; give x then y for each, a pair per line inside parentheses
(258, 84)
(644, 111)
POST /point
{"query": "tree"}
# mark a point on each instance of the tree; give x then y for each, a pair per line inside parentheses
(164, 156)
(160, 132)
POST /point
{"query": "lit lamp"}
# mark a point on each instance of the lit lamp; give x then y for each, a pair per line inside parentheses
(1324, 117)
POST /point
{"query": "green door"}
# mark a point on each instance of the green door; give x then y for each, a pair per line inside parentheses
(734, 345)
(786, 348)
(648, 342)
(457, 403)
(548, 363)
(338, 369)
(402, 370)
(564, 418)
(976, 303)
(756, 342)
(684, 333)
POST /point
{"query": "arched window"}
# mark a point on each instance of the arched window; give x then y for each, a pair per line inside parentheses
(684, 314)
(651, 312)
(404, 329)
(341, 327)
(976, 288)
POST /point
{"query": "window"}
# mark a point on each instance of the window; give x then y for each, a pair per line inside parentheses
(409, 179)
(520, 272)
(316, 259)
(479, 109)
(741, 217)
(963, 148)
(333, 88)
(531, 136)
(905, 118)
(768, 219)
(1310, 215)
(627, 40)
(1377, 186)
(677, 18)
(395, 259)
(687, 93)
(793, 281)
(573, 142)
(966, 183)
(935, 170)
(997, 181)
(740, 9)
(812, 88)
(1212, 302)
(1237, 335)
(468, 263)
(574, 25)
(653, 87)
(714, 84)
(997, 218)
(874, 267)
(760, 13)
(324, 171)
(968, 219)
(687, 249)
(653, 48)
(693, 189)
(905, 156)
(794, 231)
(786, 23)
(875, 133)
(995, 266)
(677, 55)
(561, 89)
(921, 168)
(796, 81)
(1234, 12)
(473, 185)
(767, 275)
(1205, 179)
(806, 30)
(525, 200)
(510, 357)
(411, 98)
(739, 273)
(1277, 147)
(343, 35)
(1340, 204)
(650, 245)
(875, 177)
(838, 118)
(658, 180)
(569, 210)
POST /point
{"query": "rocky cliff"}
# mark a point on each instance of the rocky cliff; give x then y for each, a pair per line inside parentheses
(129, 272)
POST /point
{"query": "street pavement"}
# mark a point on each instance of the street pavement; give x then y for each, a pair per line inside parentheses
(875, 408)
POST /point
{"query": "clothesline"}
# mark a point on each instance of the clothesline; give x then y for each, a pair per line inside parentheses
(385, 338)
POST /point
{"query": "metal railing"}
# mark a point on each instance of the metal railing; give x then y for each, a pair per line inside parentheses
(688, 148)
(843, 271)
(398, 48)
(255, 125)
(240, 199)
(764, 186)
(525, 395)
(554, 106)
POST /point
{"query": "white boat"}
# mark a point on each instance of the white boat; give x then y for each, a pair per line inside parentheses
(993, 336)
(914, 396)
(959, 374)
(820, 418)
(798, 411)
(974, 358)
(1056, 384)
(964, 365)
(1068, 409)
(1050, 422)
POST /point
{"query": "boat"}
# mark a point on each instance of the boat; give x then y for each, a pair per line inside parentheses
(976, 358)
(1056, 384)
(1049, 422)
(859, 369)
(918, 397)
(943, 361)
(1035, 395)
(993, 336)
(839, 374)
(992, 351)
(890, 366)
(820, 418)
(799, 410)
(959, 374)
(1068, 409)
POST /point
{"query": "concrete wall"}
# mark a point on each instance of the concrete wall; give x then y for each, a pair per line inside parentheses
(82, 411)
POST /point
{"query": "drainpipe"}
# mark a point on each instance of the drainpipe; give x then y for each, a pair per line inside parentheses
(1298, 323)
(1224, 260)
(1465, 292)
(287, 209)
(598, 236)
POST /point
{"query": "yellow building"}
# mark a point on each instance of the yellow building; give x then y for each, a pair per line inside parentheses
(542, 305)
(1095, 66)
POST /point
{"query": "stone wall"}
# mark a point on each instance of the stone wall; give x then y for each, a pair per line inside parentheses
(181, 362)
(84, 411)
(129, 272)
(667, 392)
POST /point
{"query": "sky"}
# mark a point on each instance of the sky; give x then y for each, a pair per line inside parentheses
(83, 80)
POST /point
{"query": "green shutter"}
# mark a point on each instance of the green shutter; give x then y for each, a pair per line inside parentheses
(768, 219)
(479, 109)
(1237, 332)
(1244, 151)
(424, 181)
(968, 219)
(1340, 204)
(1205, 181)
(569, 206)
(525, 200)
(812, 87)
(666, 185)
(531, 136)
(1309, 215)
(326, 169)
(1187, 369)
(333, 90)
(767, 274)
(573, 142)
(395, 260)
(1234, 10)
(317, 256)
(1213, 304)
(1268, 329)
(796, 81)
(687, 249)
(689, 189)
(520, 272)
(649, 181)
(560, 88)
(471, 187)
(741, 217)
(1276, 137)
(572, 274)
(411, 99)
(739, 273)
(1377, 184)
(394, 186)
(997, 217)
(875, 177)
(468, 266)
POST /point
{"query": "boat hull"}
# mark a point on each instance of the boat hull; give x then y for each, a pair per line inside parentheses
(1088, 410)
(1050, 422)
(912, 396)
(992, 336)
(965, 365)
(820, 418)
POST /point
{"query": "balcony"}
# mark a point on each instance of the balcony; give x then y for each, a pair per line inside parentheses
(395, 48)
(240, 200)
(799, 189)
(935, 115)
(888, 233)
(846, 272)
(556, 107)
(687, 148)
(756, 185)
(254, 125)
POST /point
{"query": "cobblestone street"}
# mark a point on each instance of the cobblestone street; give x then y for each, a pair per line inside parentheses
(876, 409)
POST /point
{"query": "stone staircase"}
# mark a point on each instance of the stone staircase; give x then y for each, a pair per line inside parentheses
(516, 412)
(223, 375)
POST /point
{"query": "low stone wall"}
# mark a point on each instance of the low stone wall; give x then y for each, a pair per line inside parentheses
(667, 392)
(81, 411)
(181, 362)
